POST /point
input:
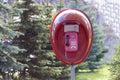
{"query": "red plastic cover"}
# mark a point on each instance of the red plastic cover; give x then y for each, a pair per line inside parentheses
(84, 34)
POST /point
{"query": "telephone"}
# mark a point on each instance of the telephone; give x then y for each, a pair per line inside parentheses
(71, 37)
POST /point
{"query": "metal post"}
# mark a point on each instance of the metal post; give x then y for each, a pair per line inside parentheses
(72, 72)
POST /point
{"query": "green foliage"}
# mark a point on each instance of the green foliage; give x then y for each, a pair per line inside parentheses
(115, 64)
(97, 51)
(82, 66)
(8, 64)
(98, 74)
(34, 23)
(59, 5)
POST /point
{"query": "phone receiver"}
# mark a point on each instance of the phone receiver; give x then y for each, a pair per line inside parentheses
(67, 40)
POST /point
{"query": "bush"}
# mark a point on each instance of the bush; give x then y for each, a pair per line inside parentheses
(115, 64)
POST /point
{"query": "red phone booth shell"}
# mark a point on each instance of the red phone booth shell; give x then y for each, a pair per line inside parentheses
(85, 35)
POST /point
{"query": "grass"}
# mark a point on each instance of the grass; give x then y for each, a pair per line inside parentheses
(100, 74)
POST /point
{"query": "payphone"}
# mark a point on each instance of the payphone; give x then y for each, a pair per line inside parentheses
(71, 37)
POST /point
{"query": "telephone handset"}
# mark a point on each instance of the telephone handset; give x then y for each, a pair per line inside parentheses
(71, 37)
(67, 40)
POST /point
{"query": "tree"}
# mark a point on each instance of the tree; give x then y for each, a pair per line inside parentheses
(34, 22)
(98, 50)
(115, 64)
(8, 64)
(59, 5)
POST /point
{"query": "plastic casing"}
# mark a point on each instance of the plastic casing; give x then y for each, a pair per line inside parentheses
(85, 35)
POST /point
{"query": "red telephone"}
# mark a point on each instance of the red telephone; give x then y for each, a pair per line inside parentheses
(71, 37)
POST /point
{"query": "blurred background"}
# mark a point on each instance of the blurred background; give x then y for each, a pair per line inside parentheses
(25, 50)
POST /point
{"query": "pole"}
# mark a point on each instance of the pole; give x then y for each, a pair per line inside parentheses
(72, 72)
